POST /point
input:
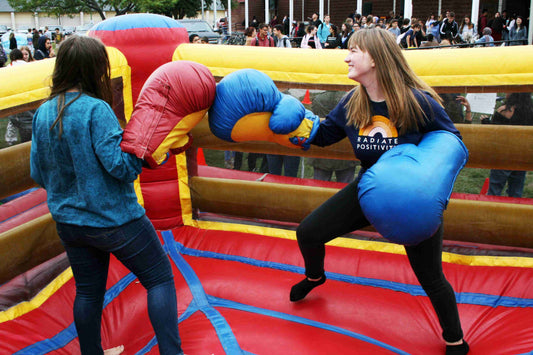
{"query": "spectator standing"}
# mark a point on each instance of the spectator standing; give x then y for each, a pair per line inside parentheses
(250, 34)
(21, 121)
(254, 22)
(431, 19)
(26, 54)
(434, 28)
(315, 21)
(468, 30)
(58, 36)
(29, 37)
(323, 30)
(280, 39)
(47, 33)
(12, 41)
(346, 32)
(16, 58)
(334, 39)
(496, 25)
(517, 110)
(449, 28)
(278, 163)
(286, 25)
(483, 21)
(44, 49)
(35, 39)
(263, 39)
(274, 21)
(518, 32)
(394, 29)
(310, 39)
(405, 25)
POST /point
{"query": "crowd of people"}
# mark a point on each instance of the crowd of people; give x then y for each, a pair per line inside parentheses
(442, 30)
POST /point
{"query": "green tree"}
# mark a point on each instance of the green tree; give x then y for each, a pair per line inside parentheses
(177, 9)
(64, 7)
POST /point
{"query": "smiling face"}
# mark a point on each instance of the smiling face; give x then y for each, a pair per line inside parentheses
(25, 55)
(361, 66)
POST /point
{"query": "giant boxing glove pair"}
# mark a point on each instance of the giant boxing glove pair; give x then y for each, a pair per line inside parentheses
(403, 195)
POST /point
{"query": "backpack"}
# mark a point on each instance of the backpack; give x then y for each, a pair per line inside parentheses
(3, 57)
(400, 37)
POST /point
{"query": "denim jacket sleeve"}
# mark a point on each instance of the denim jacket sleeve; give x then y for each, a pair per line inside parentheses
(106, 135)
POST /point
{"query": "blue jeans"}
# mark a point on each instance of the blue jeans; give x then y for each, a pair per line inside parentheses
(137, 246)
(515, 182)
(277, 162)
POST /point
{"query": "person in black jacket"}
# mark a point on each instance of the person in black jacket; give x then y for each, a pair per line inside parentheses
(449, 28)
(12, 41)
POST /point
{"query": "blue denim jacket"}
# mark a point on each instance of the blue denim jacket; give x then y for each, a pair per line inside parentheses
(87, 177)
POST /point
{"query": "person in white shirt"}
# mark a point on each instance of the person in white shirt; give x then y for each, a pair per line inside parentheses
(16, 57)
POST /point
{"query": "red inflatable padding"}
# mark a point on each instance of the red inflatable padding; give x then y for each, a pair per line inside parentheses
(160, 190)
(488, 198)
(21, 204)
(173, 100)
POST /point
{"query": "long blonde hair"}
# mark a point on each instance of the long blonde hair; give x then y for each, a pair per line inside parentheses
(396, 79)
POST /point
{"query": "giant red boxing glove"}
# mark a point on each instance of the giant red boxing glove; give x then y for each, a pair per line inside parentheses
(172, 101)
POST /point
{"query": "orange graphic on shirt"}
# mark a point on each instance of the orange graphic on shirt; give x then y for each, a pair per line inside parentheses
(381, 125)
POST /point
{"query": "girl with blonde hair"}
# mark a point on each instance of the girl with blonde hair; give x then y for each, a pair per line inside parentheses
(392, 100)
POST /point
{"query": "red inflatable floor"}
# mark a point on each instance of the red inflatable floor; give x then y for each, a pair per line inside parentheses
(233, 299)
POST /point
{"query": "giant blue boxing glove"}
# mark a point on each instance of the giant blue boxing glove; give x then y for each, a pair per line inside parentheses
(406, 192)
(249, 107)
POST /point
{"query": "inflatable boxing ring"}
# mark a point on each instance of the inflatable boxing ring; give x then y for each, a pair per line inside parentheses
(230, 234)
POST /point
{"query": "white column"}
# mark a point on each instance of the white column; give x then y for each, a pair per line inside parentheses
(36, 16)
(291, 14)
(394, 7)
(475, 12)
(13, 27)
(359, 8)
(408, 9)
(215, 14)
(500, 6)
(246, 14)
(321, 10)
(329, 10)
(203, 11)
(82, 19)
(530, 29)
(229, 17)
(267, 12)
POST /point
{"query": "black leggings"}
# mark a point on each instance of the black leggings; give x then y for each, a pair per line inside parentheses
(342, 214)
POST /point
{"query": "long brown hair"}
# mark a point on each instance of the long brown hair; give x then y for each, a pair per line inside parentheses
(394, 76)
(81, 64)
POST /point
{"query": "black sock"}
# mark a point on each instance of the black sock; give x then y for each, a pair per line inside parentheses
(302, 288)
(461, 349)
